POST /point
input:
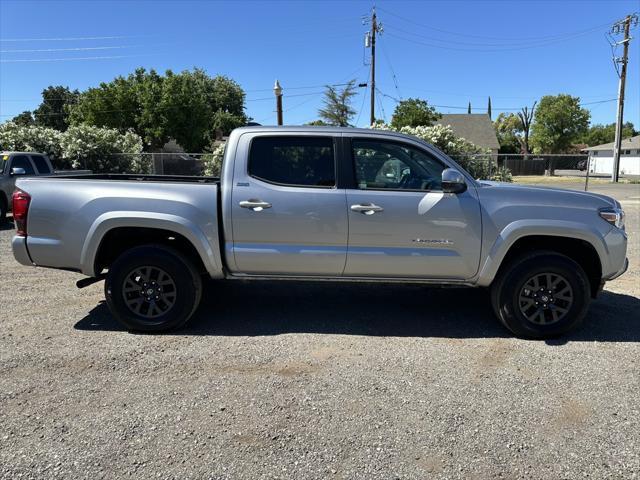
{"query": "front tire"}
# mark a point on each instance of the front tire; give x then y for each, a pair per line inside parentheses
(541, 295)
(153, 288)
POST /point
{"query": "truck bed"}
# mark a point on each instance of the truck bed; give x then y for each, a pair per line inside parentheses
(139, 177)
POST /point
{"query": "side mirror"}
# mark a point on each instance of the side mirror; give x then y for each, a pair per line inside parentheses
(453, 181)
(18, 171)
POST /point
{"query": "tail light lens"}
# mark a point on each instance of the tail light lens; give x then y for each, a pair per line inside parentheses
(20, 208)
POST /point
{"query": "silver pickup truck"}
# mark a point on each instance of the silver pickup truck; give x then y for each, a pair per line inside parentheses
(342, 204)
(18, 164)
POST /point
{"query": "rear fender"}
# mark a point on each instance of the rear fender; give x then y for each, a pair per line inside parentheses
(207, 248)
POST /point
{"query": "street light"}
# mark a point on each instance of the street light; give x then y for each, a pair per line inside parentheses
(277, 89)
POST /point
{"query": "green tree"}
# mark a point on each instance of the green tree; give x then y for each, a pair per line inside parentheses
(559, 122)
(196, 105)
(337, 108)
(53, 112)
(187, 106)
(599, 134)
(23, 119)
(508, 130)
(414, 112)
(317, 123)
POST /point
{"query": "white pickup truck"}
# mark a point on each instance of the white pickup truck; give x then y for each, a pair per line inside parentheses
(340, 204)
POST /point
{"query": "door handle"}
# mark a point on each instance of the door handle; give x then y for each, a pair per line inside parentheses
(366, 208)
(255, 205)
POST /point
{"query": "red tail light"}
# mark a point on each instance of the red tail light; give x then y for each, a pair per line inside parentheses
(20, 208)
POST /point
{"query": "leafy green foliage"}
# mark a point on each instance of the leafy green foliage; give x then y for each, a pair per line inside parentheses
(337, 108)
(509, 131)
(317, 123)
(53, 112)
(559, 122)
(599, 134)
(187, 106)
(24, 119)
(414, 112)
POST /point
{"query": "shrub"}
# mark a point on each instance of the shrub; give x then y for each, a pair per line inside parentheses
(98, 149)
(213, 161)
(82, 146)
(20, 138)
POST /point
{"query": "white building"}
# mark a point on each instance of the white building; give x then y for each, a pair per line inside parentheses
(601, 157)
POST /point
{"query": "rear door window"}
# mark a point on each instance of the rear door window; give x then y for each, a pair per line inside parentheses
(22, 161)
(41, 164)
(293, 161)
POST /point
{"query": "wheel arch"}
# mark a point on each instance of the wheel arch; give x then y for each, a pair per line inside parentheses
(580, 250)
(108, 237)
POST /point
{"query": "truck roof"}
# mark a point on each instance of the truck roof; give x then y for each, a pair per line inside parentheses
(327, 129)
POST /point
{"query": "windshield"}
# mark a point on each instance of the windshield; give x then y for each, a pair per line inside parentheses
(3, 162)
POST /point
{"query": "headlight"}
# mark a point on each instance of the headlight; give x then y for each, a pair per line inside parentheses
(615, 216)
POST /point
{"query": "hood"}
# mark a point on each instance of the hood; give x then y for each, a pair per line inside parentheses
(550, 193)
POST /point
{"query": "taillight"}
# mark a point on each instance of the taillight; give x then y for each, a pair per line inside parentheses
(20, 208)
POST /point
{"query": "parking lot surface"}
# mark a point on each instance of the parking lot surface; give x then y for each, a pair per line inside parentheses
(316, 380)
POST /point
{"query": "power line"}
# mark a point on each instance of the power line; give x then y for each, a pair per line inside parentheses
(67, 39)
(506, 39)
(393, 73)
(169, 107)
(498, 46)
(74, 49)
(37, 60)
(456, 107)
(364, 98)
(460, 49)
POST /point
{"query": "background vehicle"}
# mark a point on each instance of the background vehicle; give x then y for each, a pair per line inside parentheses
(582, 165)
(16, 164)
(324, 203)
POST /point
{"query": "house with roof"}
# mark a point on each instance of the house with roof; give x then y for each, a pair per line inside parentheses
(601, 157)
(474, 127)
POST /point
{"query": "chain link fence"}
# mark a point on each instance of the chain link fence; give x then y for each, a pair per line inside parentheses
(191, 164)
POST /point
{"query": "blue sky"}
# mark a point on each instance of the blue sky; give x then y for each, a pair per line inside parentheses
(447, 52)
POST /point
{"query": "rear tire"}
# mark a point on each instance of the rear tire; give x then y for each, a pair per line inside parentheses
(541, 295)
(153, 288)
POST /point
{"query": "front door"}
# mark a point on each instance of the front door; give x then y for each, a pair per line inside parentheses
(401, 224)
(288, 217)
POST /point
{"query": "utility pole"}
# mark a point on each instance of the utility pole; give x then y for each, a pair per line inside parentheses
(371, 40)
(277, 90)
(624, 25)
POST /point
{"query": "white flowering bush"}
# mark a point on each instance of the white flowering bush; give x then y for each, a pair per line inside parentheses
(103, 150)
(472, 158)
(20, 138)
(83, 146)
(213, 161)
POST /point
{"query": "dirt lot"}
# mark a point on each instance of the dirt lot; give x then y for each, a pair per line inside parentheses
(309, 381)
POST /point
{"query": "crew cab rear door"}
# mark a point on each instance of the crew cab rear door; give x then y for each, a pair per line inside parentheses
(288, 216)
(401, 224)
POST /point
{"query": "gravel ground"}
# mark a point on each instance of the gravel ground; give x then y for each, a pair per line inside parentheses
(315, 380)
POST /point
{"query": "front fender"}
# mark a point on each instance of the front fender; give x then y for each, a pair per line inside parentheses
(209, 253)
(524, 228)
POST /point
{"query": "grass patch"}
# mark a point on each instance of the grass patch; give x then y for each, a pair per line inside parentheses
(544, 180)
